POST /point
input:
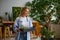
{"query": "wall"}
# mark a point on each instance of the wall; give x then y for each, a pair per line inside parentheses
(0, 7)
(6, 5)
(56, 28)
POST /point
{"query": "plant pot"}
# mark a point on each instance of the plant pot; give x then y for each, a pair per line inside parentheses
(51, 38)
(42, 38)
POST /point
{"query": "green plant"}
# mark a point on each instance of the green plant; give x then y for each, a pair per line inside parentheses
(47, 33)
(0, 17)
(41, 8)
(16, 11)
(23, 27)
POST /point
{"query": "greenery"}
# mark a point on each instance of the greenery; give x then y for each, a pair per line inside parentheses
(0, 17)
(16, 11)
(44, 8)
(23, 27)
(46, 33)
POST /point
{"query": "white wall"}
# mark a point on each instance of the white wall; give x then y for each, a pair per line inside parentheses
(0, 7)
(6, 5)
(56, 29)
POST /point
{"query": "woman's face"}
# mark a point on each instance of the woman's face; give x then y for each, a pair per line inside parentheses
(25, 12)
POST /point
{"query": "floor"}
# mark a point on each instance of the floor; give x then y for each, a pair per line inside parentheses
(14, 39)
(33, 37)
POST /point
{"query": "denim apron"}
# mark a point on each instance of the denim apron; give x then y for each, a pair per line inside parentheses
(22, 35)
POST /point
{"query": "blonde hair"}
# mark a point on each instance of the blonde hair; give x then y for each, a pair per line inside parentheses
(24, 8)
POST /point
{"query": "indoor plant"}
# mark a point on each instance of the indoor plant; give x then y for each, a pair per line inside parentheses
(46, 34)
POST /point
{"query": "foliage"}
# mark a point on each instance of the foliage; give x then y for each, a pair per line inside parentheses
(0, 17)
(42, 8)
(46, 33)
(39, 9)
(16, 12)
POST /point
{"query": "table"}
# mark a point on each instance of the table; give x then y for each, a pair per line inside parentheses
(35, 23)
(8, 22)
(6, 28)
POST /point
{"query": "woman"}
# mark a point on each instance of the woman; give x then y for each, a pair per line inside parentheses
(24, 20)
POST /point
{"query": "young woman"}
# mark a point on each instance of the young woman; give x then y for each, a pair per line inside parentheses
(24, 20)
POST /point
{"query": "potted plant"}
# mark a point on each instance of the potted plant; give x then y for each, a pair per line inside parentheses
(24, 28)
(0, 19)
(46, 34)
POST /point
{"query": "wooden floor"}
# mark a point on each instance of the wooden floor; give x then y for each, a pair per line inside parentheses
(14, 39)
(33, 37)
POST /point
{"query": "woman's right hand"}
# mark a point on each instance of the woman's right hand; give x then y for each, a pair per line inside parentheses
(18, 29)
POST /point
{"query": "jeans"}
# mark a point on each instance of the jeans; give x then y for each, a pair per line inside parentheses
(21, 36)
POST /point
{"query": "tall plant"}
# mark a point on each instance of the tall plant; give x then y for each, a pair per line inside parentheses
(39, 9)
(45, 11)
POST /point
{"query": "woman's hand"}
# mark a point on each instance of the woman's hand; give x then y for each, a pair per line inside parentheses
(18, 29)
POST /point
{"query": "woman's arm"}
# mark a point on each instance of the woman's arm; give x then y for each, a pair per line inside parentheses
(16, 26)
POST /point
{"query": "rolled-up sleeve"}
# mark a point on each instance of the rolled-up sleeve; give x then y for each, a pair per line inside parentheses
(30, 22)
(15, 25)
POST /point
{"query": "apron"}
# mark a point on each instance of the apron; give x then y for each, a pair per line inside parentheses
(26, 22)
